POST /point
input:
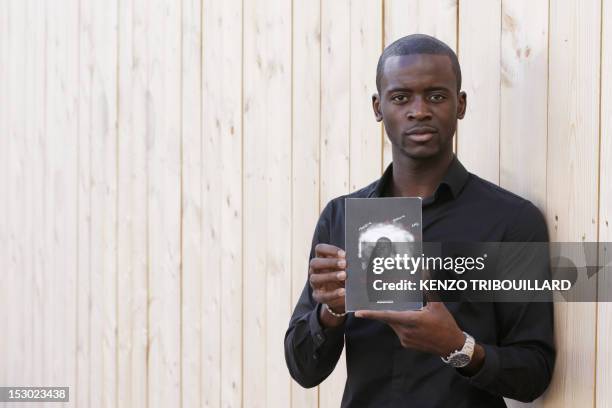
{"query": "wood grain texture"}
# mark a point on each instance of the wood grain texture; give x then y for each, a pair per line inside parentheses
(4, 166)
(335, 137)
(34, 89)
(132, 208)
(479, 56)
(98, 130)
(572, 174)
(436, 18)
(214, 119)
(523, 132)
(163, 136)
(60, 188)
(267, 200)
(222, 298)
(231, 137)
(603, 372)
(191, 203)
(365, 151)
(306, 105)
(335, 99)
(86, 360)
(15, 267)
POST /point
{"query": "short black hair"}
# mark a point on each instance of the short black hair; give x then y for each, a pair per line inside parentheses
(418, 44)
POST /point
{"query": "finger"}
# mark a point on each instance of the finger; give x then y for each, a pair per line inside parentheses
(317, 279)
(323, 296)
(323, 250)
(319, 264)
(337, 304)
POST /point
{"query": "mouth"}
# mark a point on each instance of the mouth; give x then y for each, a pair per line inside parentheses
(421, 134)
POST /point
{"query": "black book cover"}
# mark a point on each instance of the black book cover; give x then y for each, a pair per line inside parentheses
(382, 235)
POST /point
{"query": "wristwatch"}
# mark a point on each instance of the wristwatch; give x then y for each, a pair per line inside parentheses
(461, 358)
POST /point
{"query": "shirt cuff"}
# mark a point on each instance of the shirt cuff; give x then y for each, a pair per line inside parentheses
(489, 370)
(321, 335)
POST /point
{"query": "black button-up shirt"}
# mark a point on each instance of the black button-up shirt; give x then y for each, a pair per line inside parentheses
(517, 337)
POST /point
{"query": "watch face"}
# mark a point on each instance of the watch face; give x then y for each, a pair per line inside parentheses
(459, 360)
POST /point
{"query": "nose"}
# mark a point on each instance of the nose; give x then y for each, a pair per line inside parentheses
(418, 110)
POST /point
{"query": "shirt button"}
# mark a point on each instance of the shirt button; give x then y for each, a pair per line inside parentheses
(314, 356)
(319, 337)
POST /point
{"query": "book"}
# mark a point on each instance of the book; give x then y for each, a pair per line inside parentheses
(382, 235)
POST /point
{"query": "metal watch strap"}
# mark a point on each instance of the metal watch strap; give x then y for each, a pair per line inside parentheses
(466, 351)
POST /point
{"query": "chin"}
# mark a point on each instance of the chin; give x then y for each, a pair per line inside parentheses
(433, 149)
(421, 152)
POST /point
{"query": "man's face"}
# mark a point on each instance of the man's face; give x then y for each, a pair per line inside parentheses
(419, 104)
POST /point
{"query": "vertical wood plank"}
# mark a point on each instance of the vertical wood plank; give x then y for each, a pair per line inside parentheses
(29, 195)
(335, 98)
(4, 165)
(87, 361)
(98, 125)
(267, 200)
(89, 367)
(365, 47)
(524, 80)
(604, 309)
(306, 105)
(435, 18)
(335, 137)
(134, 119)
(214, 20)
(479, 56)
(222, 293)
(191, 192)
(163, 134)
(35, 131)
(572, 174)
(15, 268)
(232, 220)
(60, 194)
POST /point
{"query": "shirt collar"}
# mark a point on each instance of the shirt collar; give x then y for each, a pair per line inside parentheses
(455, 178)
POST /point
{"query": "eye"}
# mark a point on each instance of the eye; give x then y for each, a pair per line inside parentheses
(399, 98)
(437, 97)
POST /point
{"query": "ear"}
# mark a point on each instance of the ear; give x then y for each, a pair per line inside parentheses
(461, 105)
(376, 107)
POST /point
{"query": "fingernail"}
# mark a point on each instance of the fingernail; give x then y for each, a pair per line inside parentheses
(341, 253)
(341, 275)
(341, 263)
(341, 291)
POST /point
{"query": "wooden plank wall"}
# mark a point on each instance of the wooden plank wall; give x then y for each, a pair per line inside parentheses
(164, 163)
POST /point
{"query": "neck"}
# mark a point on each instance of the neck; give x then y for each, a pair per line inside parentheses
(418, 178)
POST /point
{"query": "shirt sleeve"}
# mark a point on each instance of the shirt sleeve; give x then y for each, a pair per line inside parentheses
(311, 351)
(521, 364)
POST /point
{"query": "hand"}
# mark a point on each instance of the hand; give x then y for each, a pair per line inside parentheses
(327, 275)
(431, 329)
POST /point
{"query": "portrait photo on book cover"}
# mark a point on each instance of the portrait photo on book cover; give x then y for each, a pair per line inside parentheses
(379, 230)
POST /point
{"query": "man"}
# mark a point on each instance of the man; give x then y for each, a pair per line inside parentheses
(447, 354)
